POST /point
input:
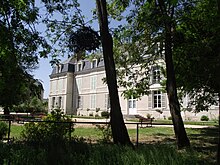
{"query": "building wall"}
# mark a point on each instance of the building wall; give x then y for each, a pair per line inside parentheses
(61, 93)
(84, 93)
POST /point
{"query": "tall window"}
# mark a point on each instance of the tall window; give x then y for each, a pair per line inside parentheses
(107, 101)
(79, 84)
(93, 101)
(156, 75)
(79, 104)
(53, 101)
(132, 102)
(79, 67)
(93, 64)
(93, 82)
(60, 102)
(59, 68)
(157, 99)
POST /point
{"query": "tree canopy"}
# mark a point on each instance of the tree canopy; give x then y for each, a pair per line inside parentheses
(197, 53)
(20, 47)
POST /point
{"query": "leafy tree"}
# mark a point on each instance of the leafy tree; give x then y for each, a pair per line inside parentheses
(73, 35)
(20, 47)
(153, 22)
(119, 131)
(197, 53)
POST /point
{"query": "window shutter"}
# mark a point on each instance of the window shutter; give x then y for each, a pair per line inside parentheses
(106, 101)
(150, 100)
(151, 76)
(164, 103)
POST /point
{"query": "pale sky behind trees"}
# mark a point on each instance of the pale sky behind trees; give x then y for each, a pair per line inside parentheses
(42, 73)
(45, 68)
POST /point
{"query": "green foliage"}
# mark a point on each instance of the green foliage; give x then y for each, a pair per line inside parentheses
(204, 118)
(159, 152)
(105, 114)
(159, 111)
(73, 153)
(106, 133)
(84, 39)
(33, 105)
(196, 53)
(97, 110)
(20, 48)
(3, 129)
(169, 118)
(54, 128)
(148, 116)
(68, 30)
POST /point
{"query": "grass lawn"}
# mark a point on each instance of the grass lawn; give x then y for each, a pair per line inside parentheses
(156, 146)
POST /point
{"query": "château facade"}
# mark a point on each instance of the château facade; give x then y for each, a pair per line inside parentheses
(77, 88)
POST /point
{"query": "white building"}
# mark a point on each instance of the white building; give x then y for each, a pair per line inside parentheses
(78, 88)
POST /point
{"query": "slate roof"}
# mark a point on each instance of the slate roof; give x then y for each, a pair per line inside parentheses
(70, 65)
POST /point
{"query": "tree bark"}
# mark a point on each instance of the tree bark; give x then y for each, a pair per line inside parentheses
(119, 130)
(218, 152)
(180, 133)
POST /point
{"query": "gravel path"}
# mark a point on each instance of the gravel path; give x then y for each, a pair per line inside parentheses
(131, 125)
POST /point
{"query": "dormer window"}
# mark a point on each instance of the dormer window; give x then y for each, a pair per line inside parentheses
(94, 64)
(79, 67)
(59, 68)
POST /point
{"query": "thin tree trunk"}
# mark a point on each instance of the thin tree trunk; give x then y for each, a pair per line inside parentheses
(180, 133)
(6, 112)
(218, 152)
(179, 130)
(119, 130)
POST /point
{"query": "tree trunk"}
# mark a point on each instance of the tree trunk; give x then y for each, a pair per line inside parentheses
(218, 152)
(6, 112)
(119, 130)
(180, 133)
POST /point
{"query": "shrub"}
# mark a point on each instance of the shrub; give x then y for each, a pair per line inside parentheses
(170, 118)
(106, 133)
(159, 111)
(148, 116)
(97, 110)
(3, 129)
(46, 132)
(105, 114)
(204, 118)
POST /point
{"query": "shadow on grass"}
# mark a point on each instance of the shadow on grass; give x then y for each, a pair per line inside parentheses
(205, 142)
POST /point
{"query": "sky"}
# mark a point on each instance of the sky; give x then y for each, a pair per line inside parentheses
(44, 67)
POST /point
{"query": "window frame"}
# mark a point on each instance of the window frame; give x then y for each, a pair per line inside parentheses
(157, 99)
(156, 75)
(132, 102)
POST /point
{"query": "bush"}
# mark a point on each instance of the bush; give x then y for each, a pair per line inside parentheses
(148, 116)
(105, 114)
(46, 132)
(3, 129)
(169, 118)
(106, 133)
(204, 118)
